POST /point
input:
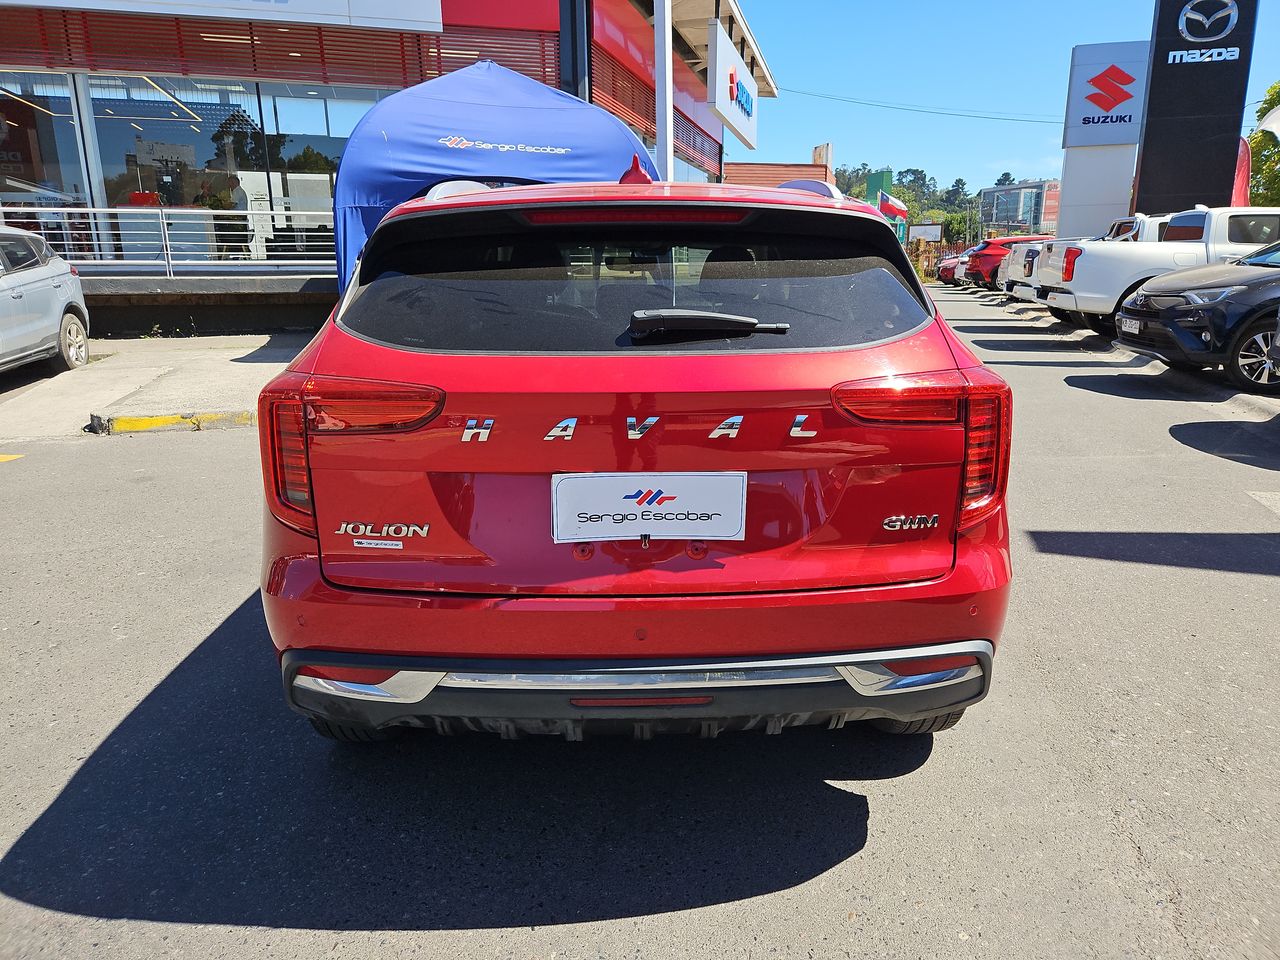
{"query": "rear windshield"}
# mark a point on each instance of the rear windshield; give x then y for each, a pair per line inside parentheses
(573, 290)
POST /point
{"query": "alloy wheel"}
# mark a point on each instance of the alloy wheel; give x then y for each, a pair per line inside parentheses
(1254, 360)
(77, 346)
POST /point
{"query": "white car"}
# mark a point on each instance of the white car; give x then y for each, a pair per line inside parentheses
(42, 311)
(1093, 277)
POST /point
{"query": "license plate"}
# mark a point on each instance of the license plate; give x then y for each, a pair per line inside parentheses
(664, 506)
(1130, 325)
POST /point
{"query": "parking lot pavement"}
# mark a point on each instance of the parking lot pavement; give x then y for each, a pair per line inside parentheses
(147, 384)
(1116, 796)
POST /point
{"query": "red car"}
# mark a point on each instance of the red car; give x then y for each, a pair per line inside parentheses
(986, 257)
(634, 458)
(947, 269)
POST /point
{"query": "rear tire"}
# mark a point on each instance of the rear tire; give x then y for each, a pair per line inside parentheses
(351, 733)
(944, 721)
(73, 343)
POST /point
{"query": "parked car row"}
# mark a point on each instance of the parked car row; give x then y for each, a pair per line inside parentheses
(1195, 290)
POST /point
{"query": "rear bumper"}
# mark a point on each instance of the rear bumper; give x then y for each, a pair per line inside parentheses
(314, 621)
(568, 698)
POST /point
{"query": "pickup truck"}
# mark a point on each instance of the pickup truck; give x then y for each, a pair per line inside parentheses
(1092, 278)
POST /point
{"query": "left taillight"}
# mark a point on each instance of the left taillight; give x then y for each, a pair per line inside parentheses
(294, 406)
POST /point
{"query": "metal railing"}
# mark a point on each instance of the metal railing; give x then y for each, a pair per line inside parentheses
(169, 241)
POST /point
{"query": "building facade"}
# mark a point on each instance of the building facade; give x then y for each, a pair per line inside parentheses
(1028, 206)
(117, 104)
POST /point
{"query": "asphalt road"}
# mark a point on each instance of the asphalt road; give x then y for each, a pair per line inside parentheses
(1116, 796)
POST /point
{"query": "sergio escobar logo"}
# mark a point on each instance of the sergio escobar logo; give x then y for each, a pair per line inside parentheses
(1206, 21)
(462, 143)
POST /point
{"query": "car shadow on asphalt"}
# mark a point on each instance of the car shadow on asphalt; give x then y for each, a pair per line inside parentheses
(1166, 385)
(1092, 342)
(1255, 444)
(1014, 325)
(279, 348)
(1232, 552)
(212, 803)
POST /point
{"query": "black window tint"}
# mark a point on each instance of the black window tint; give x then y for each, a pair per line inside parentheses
(564, 291)
(18, 253)
(1187, 227)
(1252, 228)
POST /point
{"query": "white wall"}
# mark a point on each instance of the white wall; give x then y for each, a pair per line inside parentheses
(1097, 184)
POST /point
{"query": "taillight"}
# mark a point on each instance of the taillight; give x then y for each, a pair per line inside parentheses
(988, 426)
(978, 398)
(295, 405)
(1069, 258)
(917, 398)
(74, 271)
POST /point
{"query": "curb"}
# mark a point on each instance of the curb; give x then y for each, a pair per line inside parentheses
(108, 425)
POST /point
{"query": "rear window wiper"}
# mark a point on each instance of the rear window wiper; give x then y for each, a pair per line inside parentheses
(645, 323)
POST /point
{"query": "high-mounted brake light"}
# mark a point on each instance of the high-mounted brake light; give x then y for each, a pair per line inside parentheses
(1069, 258)
(976, 398)
(294, 406)
(611, 213)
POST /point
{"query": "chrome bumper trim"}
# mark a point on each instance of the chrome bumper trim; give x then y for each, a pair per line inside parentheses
(863, 670)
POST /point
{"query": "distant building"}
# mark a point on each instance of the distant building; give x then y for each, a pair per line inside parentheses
(1028, 206)
(772, 174)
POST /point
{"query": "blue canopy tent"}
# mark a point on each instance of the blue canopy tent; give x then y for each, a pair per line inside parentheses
(483, 122)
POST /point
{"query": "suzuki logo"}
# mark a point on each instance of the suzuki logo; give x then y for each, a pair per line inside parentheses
(1110, 84)
(648, 498)
(1204, 21)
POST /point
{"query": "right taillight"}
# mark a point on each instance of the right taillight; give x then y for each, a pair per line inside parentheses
(1069, 258)
(976, 398)
(988, 422)
(294, 406)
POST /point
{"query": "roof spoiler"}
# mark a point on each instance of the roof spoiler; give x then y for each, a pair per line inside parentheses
(820, 187)
(453, 188)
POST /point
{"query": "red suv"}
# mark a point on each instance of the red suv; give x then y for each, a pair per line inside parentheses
(634, 458)
(987, 256)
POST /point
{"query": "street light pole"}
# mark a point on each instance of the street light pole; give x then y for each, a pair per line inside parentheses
(662, 84)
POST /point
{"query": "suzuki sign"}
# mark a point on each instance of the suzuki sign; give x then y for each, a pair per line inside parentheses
(731, 89)
(1106, 94)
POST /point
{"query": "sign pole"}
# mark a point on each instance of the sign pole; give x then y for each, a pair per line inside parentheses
(662, 84)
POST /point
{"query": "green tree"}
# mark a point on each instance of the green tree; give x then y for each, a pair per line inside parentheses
(1006, 178)
(311, 160)
(956, 194)
(1264, 184)
(953, 227)
(852, 181)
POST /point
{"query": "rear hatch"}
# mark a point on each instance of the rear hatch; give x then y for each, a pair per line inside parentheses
(1049, 264)
(536, 446)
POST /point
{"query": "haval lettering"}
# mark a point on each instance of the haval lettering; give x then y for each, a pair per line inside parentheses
(634, 458)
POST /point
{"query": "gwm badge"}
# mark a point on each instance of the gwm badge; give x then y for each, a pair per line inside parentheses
(918, 522)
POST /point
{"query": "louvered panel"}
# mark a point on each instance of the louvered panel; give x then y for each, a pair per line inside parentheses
(261, 50)
(627, 96)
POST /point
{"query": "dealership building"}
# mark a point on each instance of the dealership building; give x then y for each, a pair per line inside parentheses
(1027, 206)
(151, 103)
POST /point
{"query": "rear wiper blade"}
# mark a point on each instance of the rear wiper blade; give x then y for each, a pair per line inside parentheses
(645, 323)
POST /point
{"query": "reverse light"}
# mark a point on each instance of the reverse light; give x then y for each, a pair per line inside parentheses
(1069, 258)
(976, 397)
(916, 668)
(347, 674)
(295, 406)
(609, 213)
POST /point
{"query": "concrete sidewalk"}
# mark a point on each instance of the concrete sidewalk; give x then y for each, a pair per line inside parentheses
(131, 386)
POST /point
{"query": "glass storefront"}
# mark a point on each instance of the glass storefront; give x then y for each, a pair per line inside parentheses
(40, 157)
(175, 141)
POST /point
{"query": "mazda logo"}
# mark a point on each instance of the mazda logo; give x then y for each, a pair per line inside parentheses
(1204, 21)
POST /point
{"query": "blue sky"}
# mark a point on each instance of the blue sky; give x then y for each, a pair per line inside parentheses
(998, 55)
